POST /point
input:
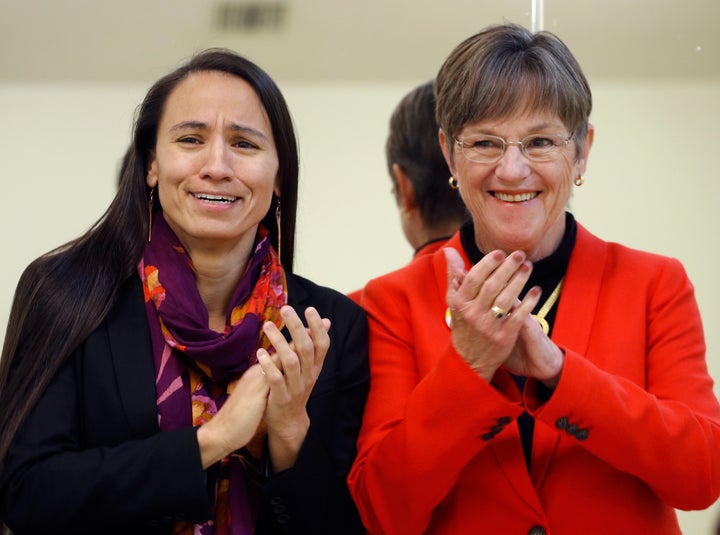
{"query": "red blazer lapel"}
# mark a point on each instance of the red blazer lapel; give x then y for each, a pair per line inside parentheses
(573, 324)
(508, 453)
(510, 456)
(581, 290)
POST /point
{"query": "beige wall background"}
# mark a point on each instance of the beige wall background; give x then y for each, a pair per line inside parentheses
(652, 181)
(71, 77)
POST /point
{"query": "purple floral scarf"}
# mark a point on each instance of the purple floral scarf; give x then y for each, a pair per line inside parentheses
(194, 364)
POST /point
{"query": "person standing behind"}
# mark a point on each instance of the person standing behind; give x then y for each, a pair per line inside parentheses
(430, 212)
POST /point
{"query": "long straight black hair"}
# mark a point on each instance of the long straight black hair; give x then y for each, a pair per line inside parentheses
(65, 294)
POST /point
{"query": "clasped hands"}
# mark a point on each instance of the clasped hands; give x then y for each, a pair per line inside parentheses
(277, 389)
(491, 326)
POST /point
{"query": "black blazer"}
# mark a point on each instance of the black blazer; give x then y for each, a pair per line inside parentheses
(91, 459)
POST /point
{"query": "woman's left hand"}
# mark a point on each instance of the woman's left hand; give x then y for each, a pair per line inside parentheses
(291, 373)
(535, 355)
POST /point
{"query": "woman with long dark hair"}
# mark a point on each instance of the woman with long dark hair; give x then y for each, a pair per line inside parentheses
(155, 377)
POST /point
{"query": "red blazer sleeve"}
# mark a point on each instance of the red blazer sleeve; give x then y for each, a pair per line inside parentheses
(417, 435)
(641, 390)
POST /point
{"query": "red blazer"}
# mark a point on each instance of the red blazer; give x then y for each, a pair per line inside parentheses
(631, 431)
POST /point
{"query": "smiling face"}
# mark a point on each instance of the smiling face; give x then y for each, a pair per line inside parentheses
(515, 203)
(215, 162)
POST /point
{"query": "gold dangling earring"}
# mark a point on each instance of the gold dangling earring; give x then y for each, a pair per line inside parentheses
(150, 214)
(278, 218)
(579, 181)
(453, 182)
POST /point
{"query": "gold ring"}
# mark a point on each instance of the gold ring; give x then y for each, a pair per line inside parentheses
(499, 312)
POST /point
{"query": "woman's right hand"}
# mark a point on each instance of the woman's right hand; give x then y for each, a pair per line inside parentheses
(291, 373)
(481, 338)
(237, 421)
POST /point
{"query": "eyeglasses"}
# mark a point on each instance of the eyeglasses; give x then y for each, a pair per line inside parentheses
(490, 149)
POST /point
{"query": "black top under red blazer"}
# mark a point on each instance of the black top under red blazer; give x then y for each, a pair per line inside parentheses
(91, 459)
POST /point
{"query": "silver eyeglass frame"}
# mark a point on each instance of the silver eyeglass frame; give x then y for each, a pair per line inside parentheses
(522, 144)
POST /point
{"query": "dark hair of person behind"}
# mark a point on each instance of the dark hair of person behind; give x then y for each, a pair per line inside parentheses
(412, 143)
(65, 294)
(507, 69)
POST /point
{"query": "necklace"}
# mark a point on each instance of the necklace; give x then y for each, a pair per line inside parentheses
(540, 316)
(547, 305)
